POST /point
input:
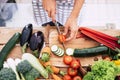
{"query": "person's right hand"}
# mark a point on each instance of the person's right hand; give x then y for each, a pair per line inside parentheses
(50, 7)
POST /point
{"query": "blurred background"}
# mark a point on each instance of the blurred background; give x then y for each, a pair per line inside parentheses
(95, 13)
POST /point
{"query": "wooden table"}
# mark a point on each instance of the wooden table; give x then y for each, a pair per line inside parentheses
(6, 33)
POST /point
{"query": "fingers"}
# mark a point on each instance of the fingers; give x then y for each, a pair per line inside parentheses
(53, 12)
(65, 30)
(49, 12)
(72, 35)
(50, 7)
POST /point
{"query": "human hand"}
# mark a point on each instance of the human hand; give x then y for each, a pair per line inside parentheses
(50, 7)
(71, 28)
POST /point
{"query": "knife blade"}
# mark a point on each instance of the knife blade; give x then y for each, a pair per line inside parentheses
(59, 32)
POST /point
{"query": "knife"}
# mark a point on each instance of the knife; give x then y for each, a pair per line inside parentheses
(59, 32)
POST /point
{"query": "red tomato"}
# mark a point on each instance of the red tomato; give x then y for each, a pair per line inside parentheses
(61, 38)
(67, 77)
(67, 59)
(72, 72)
(75, 64)
(77, 78)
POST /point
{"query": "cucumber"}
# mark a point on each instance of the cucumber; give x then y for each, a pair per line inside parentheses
(54, 48)
(57, 50)
(8, 47)
(87, 51)
(61, 53)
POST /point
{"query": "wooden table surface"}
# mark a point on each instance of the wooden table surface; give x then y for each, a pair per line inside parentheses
(6, 33)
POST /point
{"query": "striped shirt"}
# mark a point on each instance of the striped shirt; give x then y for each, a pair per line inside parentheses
(64, 8)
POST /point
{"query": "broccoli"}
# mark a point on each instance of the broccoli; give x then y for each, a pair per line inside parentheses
(27, 70)
(7, 74)
(24, 67)
(32, 74)
(45, 57)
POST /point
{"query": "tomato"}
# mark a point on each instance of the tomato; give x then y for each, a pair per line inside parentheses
(67, 77)
(77, 78)
(75, 64)
(72, 72)
(61, 38)
(67, 59)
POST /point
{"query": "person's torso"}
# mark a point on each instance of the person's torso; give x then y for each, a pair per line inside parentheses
(63, 9)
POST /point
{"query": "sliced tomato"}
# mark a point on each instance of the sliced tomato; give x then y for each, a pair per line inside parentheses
(61, 38)
(72, 72)
(67, 59)
(67, 77)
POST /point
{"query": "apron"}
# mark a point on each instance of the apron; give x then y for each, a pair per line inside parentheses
(63, 8)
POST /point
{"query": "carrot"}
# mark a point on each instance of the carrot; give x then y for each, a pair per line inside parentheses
(47, 64)
(55, 77)
(55, 69)
(46, 49)
(98, 33)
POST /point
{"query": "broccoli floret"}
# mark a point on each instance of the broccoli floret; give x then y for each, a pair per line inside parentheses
(7, 74)
(32, 74)
(24, 67)
(45, 57)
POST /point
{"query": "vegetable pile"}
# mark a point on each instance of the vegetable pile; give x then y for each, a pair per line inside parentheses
(102, 70)
(75, 70)
(37, 64)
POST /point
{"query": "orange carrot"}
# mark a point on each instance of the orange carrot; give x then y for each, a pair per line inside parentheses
(56, 77)
(46, 49)
(47, 64)
(55, 69)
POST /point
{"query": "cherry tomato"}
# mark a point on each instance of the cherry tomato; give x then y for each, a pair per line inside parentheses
(77, 78)
(72, 72)
(75, 64)
(67, 59)
(67, 77)
(61, 38)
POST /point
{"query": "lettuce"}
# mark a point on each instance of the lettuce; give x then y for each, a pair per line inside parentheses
(102, 70)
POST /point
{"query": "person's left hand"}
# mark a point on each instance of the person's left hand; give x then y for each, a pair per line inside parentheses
(71, 28)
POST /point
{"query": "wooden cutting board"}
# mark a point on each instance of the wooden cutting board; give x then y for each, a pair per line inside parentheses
(6, 33)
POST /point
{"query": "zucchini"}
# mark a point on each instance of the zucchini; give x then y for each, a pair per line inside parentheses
(87, 51)
(8, 47)
(57, 50)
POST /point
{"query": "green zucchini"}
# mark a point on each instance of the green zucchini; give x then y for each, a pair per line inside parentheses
(87, 51)
(8, 47)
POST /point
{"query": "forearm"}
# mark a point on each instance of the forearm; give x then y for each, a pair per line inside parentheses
(76, 9)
